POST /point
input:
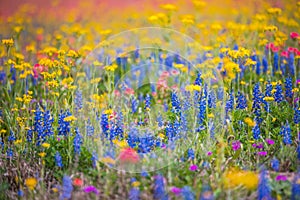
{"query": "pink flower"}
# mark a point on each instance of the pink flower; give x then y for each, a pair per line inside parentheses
(262, 153)
(165, 74)
(37, 70)
(258, 146)
(236, 145)
(291, 49)
(174, 72)
(193, 167)
(270, 46)
(129, 91)
(209, 153)
(176, 190)
(129, 155)
(281, 178)
(275, 49)
(90, 188)
(284, 54)
(294, 35)
(270, 141)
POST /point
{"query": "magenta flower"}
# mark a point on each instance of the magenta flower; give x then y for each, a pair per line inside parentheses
(209, 153)
(262, 153)
(258, 146)
(176, 190)
(91, 188)
(193, 167)
(270, 141)
(281, 178)
(236, 145)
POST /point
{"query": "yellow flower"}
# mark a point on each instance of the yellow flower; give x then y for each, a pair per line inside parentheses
(274, 119)
(2, 131)
(295, 90)
(243, 83)
(169, 7)
(111, 68)
(121, 144)
(46, 145)
(161, 135)
(70, 118)
(269, 98)
(31, 183)
(210, 115)
(42, 154)
(135, 184)
(235, 177)
(18, 142)
(8, 42)
(108, 111)
(249, 121)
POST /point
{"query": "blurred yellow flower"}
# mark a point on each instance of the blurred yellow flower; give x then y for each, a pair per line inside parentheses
(46, 145)
(235, 177)
(31, 183)
(70, 118)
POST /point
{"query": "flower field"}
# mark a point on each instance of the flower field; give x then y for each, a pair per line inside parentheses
(150, 99)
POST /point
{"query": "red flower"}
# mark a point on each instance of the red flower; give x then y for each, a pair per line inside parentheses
(129, 155)
(284, 54)
(294, 35)
(275, 49)
(291, 49)
(78, 182)
(270, 45)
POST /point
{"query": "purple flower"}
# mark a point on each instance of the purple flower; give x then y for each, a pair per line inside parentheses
(236, 145)
(176, 190)
(258, 146)
(91, 188)
(262, 153)
(209, 153)
(281, 178)
(270, 141)
(193, 167)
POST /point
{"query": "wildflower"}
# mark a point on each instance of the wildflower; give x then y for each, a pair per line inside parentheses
(70, 118)
(159, 188)
(236, 145)
(147, 102)
(256, 132)
(263, 190)
(187, 193)
(42, 154)
(111, 68)
(78, 182)
(278, 93)
(64, 127)
(296, 187)
(241, 101)
(249, 122)
(270, 141)
(31, 183)
(235, 177)
(206, 193)
(288, 88)
(67, 188)
(46, 145)
(58, 160)
(128, 155)
(8, 42)
(294, 35)
(77, 141)
(191, 154)
(281, 178)
(229, 103)
(262, 153)
(91, 188)
(175, 102)
(134, 194)
(78, 100)
(176, 190)
(275, 164)
(193, 168)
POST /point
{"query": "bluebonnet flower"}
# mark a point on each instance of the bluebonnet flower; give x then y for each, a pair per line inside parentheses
(198, 80)
(275, 164)
(104, 124)
(9, 153)
(202, 111)
(175, 102)
(278, 96)
(134, 194)
(288, 88)
(94, 159)
(64, 127)
(276, 62)
(191, 154)
(29, 135)
(256, 132)
(38, 125)
(296, 187)
(11, 136)
(183, 121)
(286, 132)
(134, 105)
(58, 160)
(77, 141)
(187, 193)
(263, 189)
(220, 93)
(241, 101)
(160, 120)
(47, 126)
(159, 188)
(89, 128)
(67, 188)
(206, 193)
(229, 103)
(269, 88)
(258, 64)
(20, 193)
(147, 102)
(291, 63)
(265, 64)
(257, 99)
(211, 99)
(78, 100)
